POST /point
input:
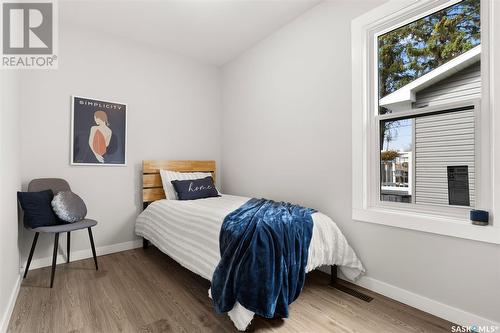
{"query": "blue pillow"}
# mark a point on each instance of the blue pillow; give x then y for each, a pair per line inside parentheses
(195, 188)
(37, 208)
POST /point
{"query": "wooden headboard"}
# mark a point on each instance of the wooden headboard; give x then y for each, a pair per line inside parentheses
(152, 187)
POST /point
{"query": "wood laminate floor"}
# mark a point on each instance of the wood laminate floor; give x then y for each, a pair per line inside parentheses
(146, 291)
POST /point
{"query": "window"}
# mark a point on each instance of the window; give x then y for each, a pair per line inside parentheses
(433, 60)
(421, 115)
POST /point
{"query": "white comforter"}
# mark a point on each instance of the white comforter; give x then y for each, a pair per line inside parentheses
(188, 232)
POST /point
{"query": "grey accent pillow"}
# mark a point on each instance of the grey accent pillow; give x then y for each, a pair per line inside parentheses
(69, 207)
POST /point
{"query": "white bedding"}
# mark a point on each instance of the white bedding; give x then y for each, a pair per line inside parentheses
(188, 232)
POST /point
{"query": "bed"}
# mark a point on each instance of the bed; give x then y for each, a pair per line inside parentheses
(188, 230)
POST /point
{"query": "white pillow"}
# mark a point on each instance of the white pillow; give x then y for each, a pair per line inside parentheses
(167, 176)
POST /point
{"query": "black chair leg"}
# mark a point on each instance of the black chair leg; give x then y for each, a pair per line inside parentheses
(68, 245)
(54, 259)
(93, 248)
(31, 255)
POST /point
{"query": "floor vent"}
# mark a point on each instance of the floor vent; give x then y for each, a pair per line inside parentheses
(352, 292)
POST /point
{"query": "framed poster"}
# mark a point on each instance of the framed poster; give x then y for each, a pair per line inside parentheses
(98, 132)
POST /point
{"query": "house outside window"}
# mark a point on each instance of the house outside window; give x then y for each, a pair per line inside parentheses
(395, 176)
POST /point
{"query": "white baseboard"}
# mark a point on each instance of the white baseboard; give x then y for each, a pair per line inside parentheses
(85, 254)
(4, 324)
(423, 303)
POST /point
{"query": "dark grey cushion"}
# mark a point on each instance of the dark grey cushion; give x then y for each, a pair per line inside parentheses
(69, 207)
(83, 224)
(195, 188)
(37, 208)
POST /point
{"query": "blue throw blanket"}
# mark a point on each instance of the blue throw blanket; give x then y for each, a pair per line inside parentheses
(264, 248)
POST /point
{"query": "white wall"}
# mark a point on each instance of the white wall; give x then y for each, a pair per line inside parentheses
(286, 134)
(173, 113)
(10, 183)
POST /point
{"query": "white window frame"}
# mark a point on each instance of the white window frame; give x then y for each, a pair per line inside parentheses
(367, 206)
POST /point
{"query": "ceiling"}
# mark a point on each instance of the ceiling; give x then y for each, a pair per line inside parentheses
(209, 31)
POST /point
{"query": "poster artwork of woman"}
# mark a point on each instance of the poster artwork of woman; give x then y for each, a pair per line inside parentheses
(100, 135)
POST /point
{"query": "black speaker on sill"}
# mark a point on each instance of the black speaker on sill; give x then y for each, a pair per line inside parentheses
(479, 217)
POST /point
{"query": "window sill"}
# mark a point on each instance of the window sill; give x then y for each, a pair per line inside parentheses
(452, 227)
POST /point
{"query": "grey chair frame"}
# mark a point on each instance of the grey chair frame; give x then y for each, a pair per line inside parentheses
(56, 185)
